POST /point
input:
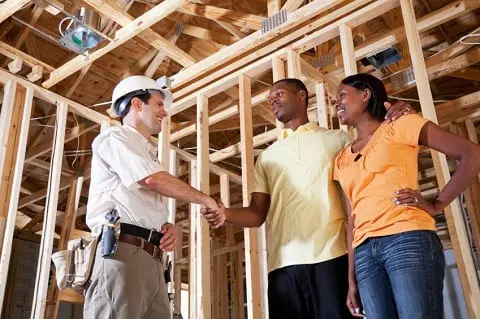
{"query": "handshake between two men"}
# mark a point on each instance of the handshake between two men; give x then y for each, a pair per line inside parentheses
(215, 214)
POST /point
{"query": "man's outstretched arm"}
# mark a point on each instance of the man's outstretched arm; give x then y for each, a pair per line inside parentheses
(252, 216)
(171, 186)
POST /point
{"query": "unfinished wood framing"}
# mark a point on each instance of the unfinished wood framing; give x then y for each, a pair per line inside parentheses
(255, 250)
(202, 255)
(193, 243)
(455, 221)
(46, 245)
(11, 213)
(250, 61)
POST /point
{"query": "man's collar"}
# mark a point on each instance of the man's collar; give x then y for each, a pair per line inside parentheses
(307, 127)
(136, 132)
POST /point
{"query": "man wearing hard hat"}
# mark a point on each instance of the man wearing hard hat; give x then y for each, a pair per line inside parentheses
(125, 207)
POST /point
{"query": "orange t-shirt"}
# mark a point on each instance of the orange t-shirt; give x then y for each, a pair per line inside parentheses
(388, 163)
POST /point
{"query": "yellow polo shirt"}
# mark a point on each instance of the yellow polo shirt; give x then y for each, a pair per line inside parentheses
(306, 216)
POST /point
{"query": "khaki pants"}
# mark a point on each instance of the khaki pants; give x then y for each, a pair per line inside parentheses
(130, 285)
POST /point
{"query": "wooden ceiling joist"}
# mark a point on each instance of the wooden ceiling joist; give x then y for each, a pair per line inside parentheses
(240, 19)
(425, 23)
(254, 40)
(127, 32)
(8, 8)
(111, 11)
(13, 53)
(292, 5)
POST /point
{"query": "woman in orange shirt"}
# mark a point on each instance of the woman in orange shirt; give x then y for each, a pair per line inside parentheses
(396, 259)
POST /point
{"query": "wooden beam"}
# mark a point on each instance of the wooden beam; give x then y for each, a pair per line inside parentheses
(455, 220)
(68, 224)
(78, 80)
(436, 71)
(472, 136)
(254, 237)
(322, 108)
(469, 74)
(256, 39)
(233, 30)
(348, 50)
(36, 13)
(235, 149)
(423, 24)
(240, 19)
(192, 264)
(6, 241)
(209, 35)
(46, 244)
(110, 10)
(202, 255)
(127, 32)
(13, 53)
(15, 66)
(463, 106)
(218, 117)
(293, 65)
(213, 168)
(273, 6)
(35, 74)
(53, 98)
(164, 144)
(278, 65)
(8, 8)
(160, 56)
(292, 5)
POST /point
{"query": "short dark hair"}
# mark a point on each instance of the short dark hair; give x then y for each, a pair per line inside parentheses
(362, 81)
(296, 85)
(144, 96)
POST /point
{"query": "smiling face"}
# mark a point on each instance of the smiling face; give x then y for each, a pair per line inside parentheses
(151, 114)
(351, 104)
(287, 103)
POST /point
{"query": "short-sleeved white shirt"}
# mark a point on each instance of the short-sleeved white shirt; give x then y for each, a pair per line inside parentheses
(122, 157)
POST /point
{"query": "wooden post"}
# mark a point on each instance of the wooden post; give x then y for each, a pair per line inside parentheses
(455, 221)
(69, 219)
(236, 284)
(172, 207)
(348, 55)
(348, 50)
(472, 134)
(24, 123)
(164, 143)
(203, 229)
(322, 108)
(192, 245)
(278, 70)
(273, 6)
(294, 65)
(10, 118)
(177, 275)
(255, 250)
(46, 244)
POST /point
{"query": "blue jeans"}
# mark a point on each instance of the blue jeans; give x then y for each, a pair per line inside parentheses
(401, 276)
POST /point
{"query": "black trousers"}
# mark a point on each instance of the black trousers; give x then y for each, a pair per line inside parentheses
(315, 291)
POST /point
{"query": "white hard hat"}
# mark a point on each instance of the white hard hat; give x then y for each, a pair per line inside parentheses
(132, 86)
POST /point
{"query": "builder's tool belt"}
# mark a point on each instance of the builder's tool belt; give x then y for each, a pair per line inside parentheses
(74, 266)
(146, 239)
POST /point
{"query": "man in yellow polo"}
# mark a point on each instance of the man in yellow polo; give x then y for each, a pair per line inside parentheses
(307, 261)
